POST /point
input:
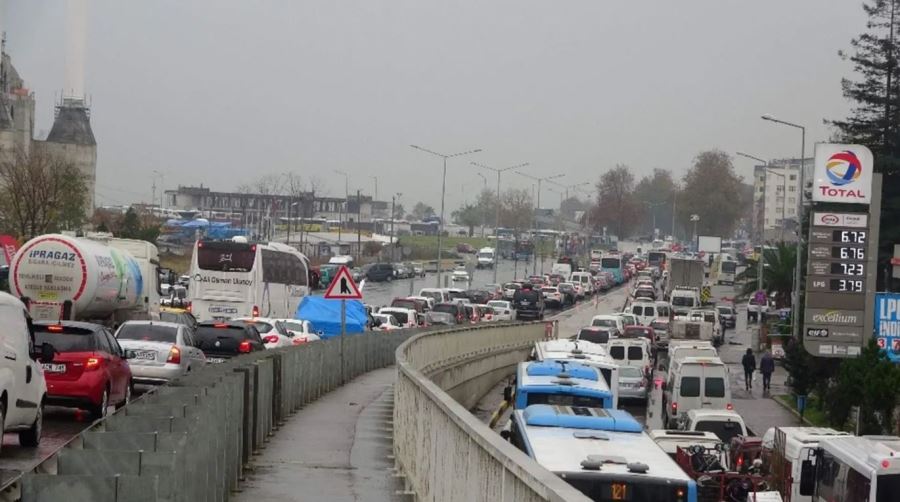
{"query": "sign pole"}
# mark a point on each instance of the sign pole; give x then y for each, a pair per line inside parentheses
(343, 332)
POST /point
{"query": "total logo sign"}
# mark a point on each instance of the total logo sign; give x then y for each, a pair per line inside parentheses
(843, 173)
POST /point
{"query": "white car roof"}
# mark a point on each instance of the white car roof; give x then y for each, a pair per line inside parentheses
(698, 414)
(390, 310)
(154, 323)
(267, 320)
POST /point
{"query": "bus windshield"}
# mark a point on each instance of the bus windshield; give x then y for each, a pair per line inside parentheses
(729, 267)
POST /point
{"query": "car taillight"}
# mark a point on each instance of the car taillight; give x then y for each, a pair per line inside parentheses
(93, 363)
(255, 311)
(674, 408)
(729, 406)
(55, 328)
(271, 339)
(189, 308)
(244, 347)
(299, 340)
(174, 355)
(740, 461)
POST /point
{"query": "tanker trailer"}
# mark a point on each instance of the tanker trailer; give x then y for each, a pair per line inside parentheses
(70, 278)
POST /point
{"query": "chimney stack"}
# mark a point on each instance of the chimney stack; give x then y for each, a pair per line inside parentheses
(76, 41)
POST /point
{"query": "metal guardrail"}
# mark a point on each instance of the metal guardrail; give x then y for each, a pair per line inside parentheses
(444, 452)
(190, 440)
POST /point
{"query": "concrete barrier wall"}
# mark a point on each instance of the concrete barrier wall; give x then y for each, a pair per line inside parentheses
(191, 440)
(446, 453)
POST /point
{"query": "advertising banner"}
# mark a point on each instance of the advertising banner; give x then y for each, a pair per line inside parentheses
(887, 324)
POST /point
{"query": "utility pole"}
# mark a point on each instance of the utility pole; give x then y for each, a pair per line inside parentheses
(358, 235)
(440, 240)
(497, 217)
(393, 244)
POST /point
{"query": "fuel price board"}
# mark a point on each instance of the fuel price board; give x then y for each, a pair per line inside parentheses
(839, 272)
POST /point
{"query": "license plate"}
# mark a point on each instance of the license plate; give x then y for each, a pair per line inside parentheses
(215, 360)
(146, 355)
(54, 368)
(525, 303)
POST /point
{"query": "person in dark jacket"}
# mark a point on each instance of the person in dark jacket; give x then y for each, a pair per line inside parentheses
(767, 367)
(749, 363)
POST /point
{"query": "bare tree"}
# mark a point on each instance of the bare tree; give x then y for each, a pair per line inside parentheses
(40, 193)
(516, 210)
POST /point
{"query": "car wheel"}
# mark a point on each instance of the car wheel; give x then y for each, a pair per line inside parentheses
(128, 392)
(390, 278)
(100, 410)
(31, 437)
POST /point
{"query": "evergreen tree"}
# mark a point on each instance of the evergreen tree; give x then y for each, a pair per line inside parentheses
(875, 118)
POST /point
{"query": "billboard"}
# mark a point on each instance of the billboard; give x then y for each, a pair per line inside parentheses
(887, 324)
(707, 244)
(842, 173)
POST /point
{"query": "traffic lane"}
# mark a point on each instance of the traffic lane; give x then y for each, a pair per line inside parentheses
(60, 426)
(570, 321)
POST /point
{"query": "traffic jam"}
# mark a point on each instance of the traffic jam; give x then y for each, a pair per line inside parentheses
(638, 404)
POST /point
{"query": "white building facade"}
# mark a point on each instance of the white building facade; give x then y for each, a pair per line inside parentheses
(776, 192)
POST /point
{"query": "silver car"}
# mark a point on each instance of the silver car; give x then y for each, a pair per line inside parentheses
(161, 351)
(632, 383)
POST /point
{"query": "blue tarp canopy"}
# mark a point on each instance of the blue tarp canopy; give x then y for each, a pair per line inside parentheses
(325, 316)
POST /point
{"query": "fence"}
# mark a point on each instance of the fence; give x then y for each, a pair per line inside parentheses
(446, 453)
(191, 440)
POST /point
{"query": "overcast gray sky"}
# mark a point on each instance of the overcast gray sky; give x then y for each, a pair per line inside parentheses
(219, 92)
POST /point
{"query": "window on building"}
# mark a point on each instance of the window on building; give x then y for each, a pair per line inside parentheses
(767, 221)
(793, 177)
(762, 189)
(792, 200)
(791, 211)
(779, 189)
(778, 221)
(792, 188)
(779, 199)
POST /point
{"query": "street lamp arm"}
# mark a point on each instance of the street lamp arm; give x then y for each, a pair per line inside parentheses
(742, 154)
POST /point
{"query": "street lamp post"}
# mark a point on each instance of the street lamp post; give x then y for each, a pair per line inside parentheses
(653, 206)
(440, 242)
(393, 202)
(375, 196)
(497, 210)
(484, 180)
(695, 218)
(795, 307)
(537, 208)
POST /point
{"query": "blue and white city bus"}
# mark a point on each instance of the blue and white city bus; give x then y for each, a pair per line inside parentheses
(561, 382)
(603, 453)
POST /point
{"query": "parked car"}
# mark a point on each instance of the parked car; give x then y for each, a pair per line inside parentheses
(273, 334)
(503, 310)
(406, 318)
(479, 296)
(420, 306)
(456, 310)
(473, 313)
(464, 247)
(727, 313)
(178, 315)
(385, 322)
(552, 296)
(300, 331)
(510, 288)
(89, 370)
(380, 272)
(595, 334)
(162, 351)
(223, 340)
(529, 303)
(24, 358)
(567, 289)
(632, 383)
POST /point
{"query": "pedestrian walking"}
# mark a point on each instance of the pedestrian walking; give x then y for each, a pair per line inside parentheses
(767, 367)
(749, 363)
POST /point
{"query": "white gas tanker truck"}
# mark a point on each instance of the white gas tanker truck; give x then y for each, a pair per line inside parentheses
(96, 278)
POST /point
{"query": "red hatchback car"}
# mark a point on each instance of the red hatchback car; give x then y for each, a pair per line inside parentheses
(90, 370)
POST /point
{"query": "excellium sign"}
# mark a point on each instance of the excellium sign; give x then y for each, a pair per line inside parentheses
(843, 173)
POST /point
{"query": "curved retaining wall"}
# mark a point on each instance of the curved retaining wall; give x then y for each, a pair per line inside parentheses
(445, 452)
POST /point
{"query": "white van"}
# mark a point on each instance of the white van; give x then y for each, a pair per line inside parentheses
(683, 300)
(21, 374)
(680, 350)
(586, 281)
(562, 269)
(609, 321)
(439, 294)
(696, 383)
(634, 352)
(644, 311)
(725, 424)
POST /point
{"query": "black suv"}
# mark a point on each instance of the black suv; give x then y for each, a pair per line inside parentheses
(529, 303)
(379, 272)
(223, 340)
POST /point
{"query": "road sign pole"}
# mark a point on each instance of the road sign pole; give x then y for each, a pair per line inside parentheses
(343, 332)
